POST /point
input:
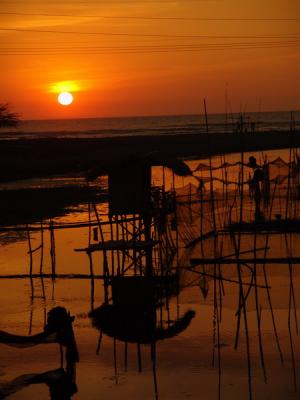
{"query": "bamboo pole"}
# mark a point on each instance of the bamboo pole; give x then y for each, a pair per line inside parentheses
(210, 169)
(29, 250)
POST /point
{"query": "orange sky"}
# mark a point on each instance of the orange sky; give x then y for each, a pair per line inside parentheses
(132, 74)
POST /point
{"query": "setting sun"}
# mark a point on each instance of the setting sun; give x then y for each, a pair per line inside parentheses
(65, 98)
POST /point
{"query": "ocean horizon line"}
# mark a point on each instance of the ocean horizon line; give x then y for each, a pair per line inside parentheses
(159, 115)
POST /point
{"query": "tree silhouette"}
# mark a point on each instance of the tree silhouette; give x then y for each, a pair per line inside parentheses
(7, 118)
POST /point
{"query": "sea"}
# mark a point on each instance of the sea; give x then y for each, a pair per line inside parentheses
(151, 125)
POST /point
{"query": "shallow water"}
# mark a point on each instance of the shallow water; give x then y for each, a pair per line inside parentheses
(156, 125)
(184, 363)
(199, 362)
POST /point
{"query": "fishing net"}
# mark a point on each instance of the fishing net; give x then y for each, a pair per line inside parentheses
(229, 193)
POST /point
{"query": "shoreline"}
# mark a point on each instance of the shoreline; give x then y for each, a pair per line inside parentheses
(33, 158)
(195, 114)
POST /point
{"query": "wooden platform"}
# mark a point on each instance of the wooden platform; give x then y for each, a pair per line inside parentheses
(223, 260)
(275, 225)
(119, 245)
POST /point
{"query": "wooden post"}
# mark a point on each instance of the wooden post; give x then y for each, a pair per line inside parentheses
(29, 250)
(52, 250)
(210, 170)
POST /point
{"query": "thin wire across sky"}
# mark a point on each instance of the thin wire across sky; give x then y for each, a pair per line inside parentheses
(155, 18)
(184, 42)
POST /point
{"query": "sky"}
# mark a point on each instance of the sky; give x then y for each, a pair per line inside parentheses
(127, 58)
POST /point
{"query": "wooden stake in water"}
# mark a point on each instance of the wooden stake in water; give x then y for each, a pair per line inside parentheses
(52, 249)
(210, 169)
(29, 250)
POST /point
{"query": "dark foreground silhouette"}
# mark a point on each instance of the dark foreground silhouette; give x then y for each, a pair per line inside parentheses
(61, 382)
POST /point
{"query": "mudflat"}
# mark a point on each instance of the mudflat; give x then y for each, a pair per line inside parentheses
(22, 159)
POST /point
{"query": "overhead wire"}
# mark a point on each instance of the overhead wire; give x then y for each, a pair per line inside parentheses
(143, 51)
(288, 35)
(287, 39)
(231, 19)
(155, 46)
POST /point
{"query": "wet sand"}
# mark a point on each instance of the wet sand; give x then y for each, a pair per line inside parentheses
(23, 159)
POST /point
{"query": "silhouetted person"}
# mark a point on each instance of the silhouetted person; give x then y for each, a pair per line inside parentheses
(255, 184)
(201, 186)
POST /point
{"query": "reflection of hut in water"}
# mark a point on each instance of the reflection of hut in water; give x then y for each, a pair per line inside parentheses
(136, 315)
(132, 316)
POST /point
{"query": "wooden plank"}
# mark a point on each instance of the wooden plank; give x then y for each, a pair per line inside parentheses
(61, 226)
(222, 260)
(119, 245)
(49, 276)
